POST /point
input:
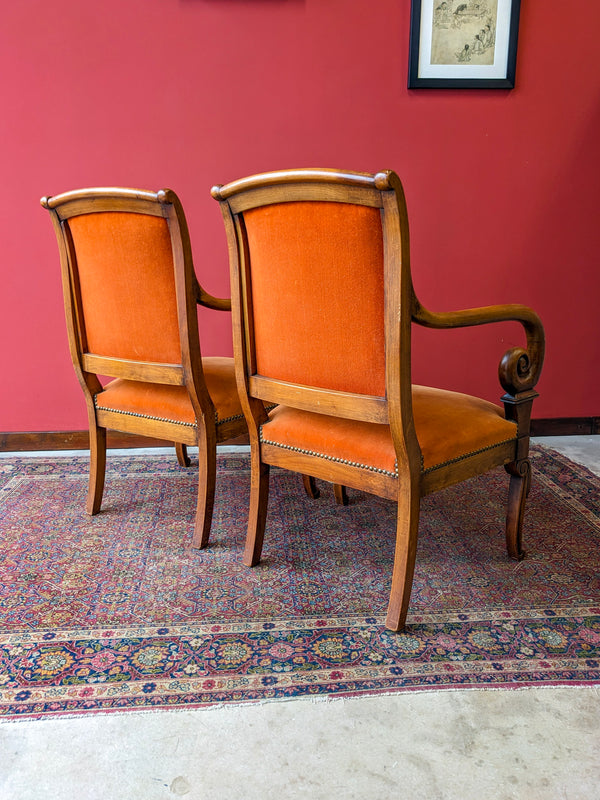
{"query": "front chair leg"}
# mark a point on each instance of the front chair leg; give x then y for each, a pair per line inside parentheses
(182, 457)
(97, 468)
(520, 483)
(257, 517)
(207, 477)
(407, 529)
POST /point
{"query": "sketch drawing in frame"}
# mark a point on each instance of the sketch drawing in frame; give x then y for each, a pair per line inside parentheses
(463, 44)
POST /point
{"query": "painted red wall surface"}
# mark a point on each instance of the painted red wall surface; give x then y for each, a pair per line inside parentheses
(502, 186)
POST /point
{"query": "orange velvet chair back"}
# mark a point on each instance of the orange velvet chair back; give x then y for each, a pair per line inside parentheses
(131, 297)
(323, 305)
(317, 285)
(123, 265)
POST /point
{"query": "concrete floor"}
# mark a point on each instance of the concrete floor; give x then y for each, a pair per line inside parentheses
(527, 744)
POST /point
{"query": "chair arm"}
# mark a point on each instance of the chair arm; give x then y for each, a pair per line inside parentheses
(519, 369)
(205, 299)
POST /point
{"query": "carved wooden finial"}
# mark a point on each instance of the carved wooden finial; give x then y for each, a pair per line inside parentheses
(382, 180)
(516, 371)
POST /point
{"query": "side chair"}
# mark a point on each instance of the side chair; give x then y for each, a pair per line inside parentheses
(131, 295)
(323, 305)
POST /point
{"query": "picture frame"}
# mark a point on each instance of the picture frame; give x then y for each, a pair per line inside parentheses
(463, 44)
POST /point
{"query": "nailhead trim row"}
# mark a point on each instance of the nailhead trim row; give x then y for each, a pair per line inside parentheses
(466, 455)
(330, 458)
(241, 416)
(143, 416)
(173, 421)
(377, 469)
(227, 419)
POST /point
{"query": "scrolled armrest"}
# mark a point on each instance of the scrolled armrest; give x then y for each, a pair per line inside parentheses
(519, 369)
(205, 299)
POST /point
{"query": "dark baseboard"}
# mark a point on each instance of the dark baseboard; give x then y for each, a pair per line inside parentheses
(78, 440)
(565, 426)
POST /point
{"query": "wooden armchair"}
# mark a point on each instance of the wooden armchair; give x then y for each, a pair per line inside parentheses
(130, 294)
(323, 305)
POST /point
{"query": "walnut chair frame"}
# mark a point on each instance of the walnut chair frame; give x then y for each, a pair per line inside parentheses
(436, 438)
(158, 243)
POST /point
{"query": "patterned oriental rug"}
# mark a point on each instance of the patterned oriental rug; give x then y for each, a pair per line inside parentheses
(118, 612)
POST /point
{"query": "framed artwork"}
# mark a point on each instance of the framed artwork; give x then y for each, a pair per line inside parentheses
(463, 44)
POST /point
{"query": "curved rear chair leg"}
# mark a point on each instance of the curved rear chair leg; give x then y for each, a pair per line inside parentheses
(257, 517)
(407, 530)
(207, 477)
(520, 483)
(341, 496)
(310, 487)
(182, 457)
(97, 468)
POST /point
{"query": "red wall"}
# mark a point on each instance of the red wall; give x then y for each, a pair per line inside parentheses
(501, 186)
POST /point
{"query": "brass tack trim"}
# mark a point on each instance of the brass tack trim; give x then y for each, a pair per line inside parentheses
(378, 470)
(227, 419)
(466, 455)
(142, 416)
(164, 419)
(268, 407)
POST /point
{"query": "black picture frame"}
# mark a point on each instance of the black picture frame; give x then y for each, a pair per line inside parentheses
(446, 52)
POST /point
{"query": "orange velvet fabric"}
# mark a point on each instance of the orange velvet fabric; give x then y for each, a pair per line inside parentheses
(449, 426)
(304, 332)
(172, 403)
(219, 374)
(125, 267)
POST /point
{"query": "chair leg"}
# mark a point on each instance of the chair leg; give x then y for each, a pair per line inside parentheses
(182, 457)
(520, 483)
(207, 477)
(339, 491)
(97, 468)
(310, 487)
(340, 494)
(407, 529)
(257, 517)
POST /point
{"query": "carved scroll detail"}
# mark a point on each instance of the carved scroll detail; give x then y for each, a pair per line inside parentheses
(516, 372)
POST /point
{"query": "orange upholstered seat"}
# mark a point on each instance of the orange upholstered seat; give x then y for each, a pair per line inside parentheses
(131, 299)
(323, 307)
(172, 403)
(449, 427)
